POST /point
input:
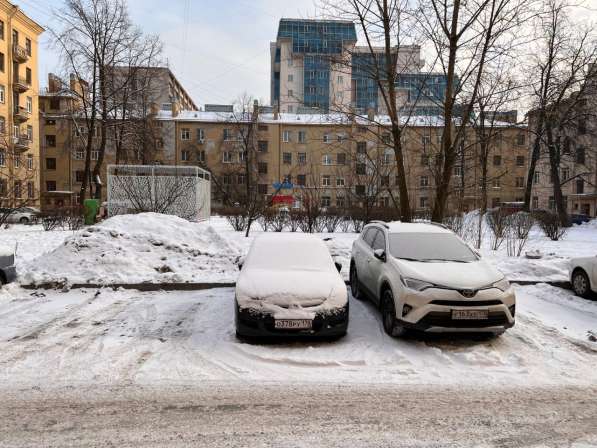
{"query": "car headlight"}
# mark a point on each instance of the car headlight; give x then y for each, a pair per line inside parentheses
(502, 284)
(417, 285)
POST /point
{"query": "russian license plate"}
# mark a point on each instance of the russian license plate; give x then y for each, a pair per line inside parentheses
(293, 324)
(469, 314)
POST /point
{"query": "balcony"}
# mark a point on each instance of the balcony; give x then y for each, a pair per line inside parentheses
(22, 143)
(21, 114)
(20, 85)
(19, 53)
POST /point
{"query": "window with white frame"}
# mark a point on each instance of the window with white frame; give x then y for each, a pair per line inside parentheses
(326, 201)
(458, 170)
(290, 77)
(242, 156)
(386, 159)
(326, 180)
(286, 136)
(200, 135)
(496, 183)
(290, 93)
(29, 161)
(227, 157)
(340, 182)
(2, 157)
(185, 156)
(424, 181)
(536, 178)
(302, 158)
(327, 138)
(29, 104)
(17, 161)
(185, 134)
(302, 137)
(2, 94)
(326, 159)
(94, 155)
(78, 154)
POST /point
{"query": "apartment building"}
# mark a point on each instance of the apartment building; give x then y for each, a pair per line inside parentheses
(19, 118)
(317, 67)
(342, 161)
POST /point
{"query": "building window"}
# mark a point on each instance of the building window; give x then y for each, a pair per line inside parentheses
(582, 126)
(565, 174)
(385, 181)
(386, 159)
(241, 179)
(227, 134)
(1, 62)
(30, 190)
(95, 155)
(226, 179)
(185, 156)
(301, 180)
(17, 189)
(536, 178)
(28, 76)
(54, 103)
(423, 202)
(361, 169)
(326, 201)
(2, 125)
(340, 182)
(28, 46)
(520, 182)
(424, 160)
(262, 127)
(302, 158)
(340, 201)
(227, 157)
(1, 29)
(497, 160)
(287, 158)
(327, 138)
(341, 158)
(458, 170)
(262, 167)
(286, 136)
(79, 176)
(200, 135)
(496, 183)
(424, 181)
(426, 140)
(580, 186)
(262, 146)
(185, 134)
(580, 155)
(50, 185)
(386, 138)
(201, 156)
(262, 188)
(359, 190)
(30, 133)
(50, 163)
(78, 154)
(519, 160)
(326, 159)
(302, 137)
(495, 202)
(326, 180)
(290, 77)
(17, 161)
(535, 202)
(29, 161)
(2, 94)
(290, 93)
(361, 147)
(520, 139)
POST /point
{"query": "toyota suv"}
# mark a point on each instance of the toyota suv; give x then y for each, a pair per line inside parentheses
(424, 277)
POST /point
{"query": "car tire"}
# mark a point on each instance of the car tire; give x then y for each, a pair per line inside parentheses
(355, 286)
(581, 284)
(388, 314)
(24, 220)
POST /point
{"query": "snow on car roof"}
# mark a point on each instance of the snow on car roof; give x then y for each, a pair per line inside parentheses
(415, 227)
(281, 251)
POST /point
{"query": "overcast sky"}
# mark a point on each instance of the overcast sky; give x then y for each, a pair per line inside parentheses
(218, 49)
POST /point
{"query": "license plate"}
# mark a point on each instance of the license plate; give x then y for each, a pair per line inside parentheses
(469, 314)
(293, 324)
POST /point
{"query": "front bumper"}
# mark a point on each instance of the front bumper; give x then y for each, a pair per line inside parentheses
(431, 311)
(10, 273)
(251, 323)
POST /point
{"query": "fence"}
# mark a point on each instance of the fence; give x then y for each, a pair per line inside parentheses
(183, 191)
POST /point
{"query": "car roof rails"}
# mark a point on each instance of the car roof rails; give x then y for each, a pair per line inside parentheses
(377, 221)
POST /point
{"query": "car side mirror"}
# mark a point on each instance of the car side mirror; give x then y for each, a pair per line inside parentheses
(380, 254)
(338, 266)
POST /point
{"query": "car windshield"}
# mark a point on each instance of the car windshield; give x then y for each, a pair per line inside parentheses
(289, 253)
(430, 247)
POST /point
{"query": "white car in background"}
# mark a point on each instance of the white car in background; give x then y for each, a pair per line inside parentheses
(424, 277)
(23, 215)
(583, 276)
(290, 286)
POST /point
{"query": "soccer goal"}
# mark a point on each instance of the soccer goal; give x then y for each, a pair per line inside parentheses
(183, 191)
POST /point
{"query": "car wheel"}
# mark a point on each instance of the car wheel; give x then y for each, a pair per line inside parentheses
(355, 286)
(24, 220)
(388, 314)
(580, 284)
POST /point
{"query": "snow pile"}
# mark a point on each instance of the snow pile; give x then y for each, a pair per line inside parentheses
(143, 248)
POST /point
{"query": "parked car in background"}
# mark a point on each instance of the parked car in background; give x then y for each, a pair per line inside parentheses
(576, 218)
(8, 272)
(583, 276)
(289, 286)
(23, 215)
(424, 277)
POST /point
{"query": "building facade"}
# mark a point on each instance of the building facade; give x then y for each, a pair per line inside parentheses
(19, 117)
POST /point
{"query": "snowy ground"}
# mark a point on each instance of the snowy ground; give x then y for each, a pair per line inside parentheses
(143, 248)
(173, 338)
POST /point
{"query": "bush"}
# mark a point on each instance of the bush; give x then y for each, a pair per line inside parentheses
(236, 216)
(550, 224)
(345, 224)
(295, 220)
(331, 219)
(519, 227)
(278, 221)
(498, 222)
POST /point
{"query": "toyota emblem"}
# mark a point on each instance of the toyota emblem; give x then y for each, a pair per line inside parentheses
(468, 293)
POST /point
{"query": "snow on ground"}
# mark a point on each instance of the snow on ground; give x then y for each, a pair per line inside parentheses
(212, 248)
(148, 247)
(187, 338)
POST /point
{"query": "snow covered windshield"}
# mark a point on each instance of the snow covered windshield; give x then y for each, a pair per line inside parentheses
(430, 247)
(289, 252)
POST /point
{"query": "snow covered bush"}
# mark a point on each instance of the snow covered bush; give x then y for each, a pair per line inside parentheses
(551, 225)
(498, 222)
(237, 217)
(331, 220)
(517, 232)
(295, 218)
(278, 221)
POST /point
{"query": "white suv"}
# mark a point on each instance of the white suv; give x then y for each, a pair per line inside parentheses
(424, 277)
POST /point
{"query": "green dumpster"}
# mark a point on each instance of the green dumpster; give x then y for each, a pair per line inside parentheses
(91, 209)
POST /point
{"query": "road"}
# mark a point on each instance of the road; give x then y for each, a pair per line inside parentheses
(219, 415)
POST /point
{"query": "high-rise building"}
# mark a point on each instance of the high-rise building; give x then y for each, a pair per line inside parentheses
(316, 66)
(19, 122)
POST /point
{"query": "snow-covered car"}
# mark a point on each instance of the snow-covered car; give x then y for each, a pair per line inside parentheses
(424, 277)
(290, 286)
(583, 276)
(8, 272)
(23, 215)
